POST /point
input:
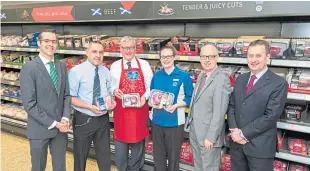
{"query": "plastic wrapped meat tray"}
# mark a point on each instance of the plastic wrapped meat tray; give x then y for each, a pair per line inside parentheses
(161, 99)
(131, 100)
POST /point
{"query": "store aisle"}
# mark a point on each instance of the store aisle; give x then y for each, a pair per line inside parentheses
(15, 155)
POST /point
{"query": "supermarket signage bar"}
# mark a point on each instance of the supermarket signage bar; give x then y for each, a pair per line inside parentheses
(153, 10)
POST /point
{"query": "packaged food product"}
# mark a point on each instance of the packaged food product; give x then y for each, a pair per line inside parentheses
(279, 165)
(101, 102)
(298, 167)
(161, 99)
(131, 100)
(297, 146)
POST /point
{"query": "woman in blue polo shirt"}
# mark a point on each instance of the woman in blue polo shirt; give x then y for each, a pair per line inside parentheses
(168, 124)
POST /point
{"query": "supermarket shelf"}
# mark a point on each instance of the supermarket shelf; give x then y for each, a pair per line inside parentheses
(13, 122)
(298, 96)
(294, 158)
(7, 82)
(71, 52)
(290, 63)
(9, 65)
(293, 127)
(16, 100)
(25, 49)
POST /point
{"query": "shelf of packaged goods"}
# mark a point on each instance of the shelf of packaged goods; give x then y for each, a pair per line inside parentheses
(290, 63)
(8, 82)
(10, 65)
(294, 127)
(294, 158)
(12, 99)
(298, 96)
(21, 49)
(13, 122)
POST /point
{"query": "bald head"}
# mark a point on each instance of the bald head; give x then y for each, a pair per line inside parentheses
(209, 49)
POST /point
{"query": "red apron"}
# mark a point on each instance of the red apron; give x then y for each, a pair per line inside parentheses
(130, 124)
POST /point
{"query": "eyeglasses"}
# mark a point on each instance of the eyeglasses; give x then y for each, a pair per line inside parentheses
(209, 57)
(48, 41)
(166, 57)
(128, 48)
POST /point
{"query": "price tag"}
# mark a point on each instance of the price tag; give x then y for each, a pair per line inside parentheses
(6, 98)
(15, 66)
(226, 116)
(186, 110)
(33, 50)
(307, 97)
(151, 56)
(61, 51)
(106, 54)
(14, 100)
(17, 49)
(184, 58)
(7, 65)
(293, 127)
(12, 83)
(13, 120)
(220, 59)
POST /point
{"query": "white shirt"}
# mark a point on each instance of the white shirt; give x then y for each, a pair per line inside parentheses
(258, 75)
(116, 70)
(47, 66)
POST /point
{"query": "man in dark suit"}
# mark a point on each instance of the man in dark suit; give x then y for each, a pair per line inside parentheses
(255, 106)
(46, 99)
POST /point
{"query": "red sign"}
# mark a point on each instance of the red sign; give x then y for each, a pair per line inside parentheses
(62, 13)
(128, 4)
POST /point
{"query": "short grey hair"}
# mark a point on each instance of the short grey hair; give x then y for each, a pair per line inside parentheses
(127, 39)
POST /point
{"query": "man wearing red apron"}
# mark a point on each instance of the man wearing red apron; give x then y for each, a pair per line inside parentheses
(130, 75)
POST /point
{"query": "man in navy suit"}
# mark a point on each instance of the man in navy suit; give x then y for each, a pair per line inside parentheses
(255, 106)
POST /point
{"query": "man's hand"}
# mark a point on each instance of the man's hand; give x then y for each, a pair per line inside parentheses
(110, 103)
(62, 127)
(172, 108)
(243, 141)
(142, 101)
(95, 109)
(66, 124)
(235, 135)
(208, 145)
(118, 93)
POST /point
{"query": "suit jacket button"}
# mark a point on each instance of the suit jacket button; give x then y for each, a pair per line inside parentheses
(240, 116)
(244, 103)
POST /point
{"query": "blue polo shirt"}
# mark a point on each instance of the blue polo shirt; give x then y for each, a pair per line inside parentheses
(178, 83)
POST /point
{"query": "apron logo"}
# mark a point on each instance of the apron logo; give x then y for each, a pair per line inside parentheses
(132, 75)
(175, 84)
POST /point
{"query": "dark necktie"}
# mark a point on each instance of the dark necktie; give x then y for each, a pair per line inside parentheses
(251, 84)
(201, 84)
(129, 65)
(96, 88)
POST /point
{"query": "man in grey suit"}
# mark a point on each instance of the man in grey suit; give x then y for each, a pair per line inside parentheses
(207, 112)
(255, 106)
(46, 99)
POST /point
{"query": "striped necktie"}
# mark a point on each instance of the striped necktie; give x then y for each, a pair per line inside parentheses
(53, 75)
(96, 88)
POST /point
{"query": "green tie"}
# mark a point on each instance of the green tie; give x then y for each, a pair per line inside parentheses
(53, 75)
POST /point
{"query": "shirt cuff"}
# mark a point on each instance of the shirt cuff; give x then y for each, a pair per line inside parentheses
(65, 118)
(53, 125)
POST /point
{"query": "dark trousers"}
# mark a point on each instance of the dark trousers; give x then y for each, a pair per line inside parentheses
(58, 147)
(87, 129)
(167, 142)
(136, 161)
(242, 162)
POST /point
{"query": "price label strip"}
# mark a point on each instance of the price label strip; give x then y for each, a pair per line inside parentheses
(17, 49)
(184, 58)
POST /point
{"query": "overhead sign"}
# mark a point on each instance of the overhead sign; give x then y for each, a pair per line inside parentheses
(60, 13)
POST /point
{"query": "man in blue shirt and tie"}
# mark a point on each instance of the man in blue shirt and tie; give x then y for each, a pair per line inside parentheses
(88, 81)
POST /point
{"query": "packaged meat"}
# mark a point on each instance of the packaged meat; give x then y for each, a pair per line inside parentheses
(298, 80)
(185, 45)
(161, 99)
(279, 165)
(154, 45)
(149, 147)
(301, 49)
(297, 146)
(226, 47)
(298, 167)
(186, 153)
(225, 162)
(206, 41)
(61, 42)
(294, 112)
(78, 45)
(242, 43)
(279, 48)
(194, 73)
(140, 44)
(131, 100)
(69, 42)
(280, 137)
